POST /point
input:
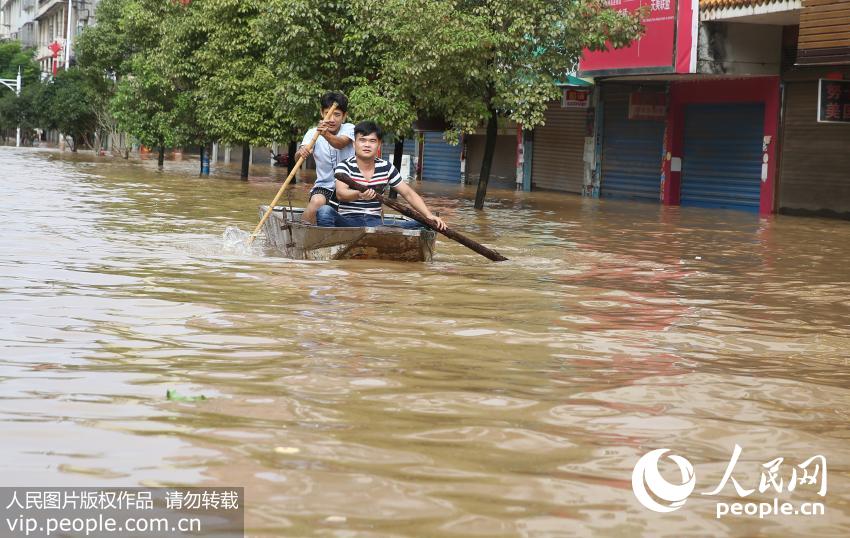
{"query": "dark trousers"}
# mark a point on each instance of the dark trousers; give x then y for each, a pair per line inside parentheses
(328, 216)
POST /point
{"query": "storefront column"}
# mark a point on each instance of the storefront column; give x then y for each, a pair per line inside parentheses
(528, 154)
(771, 142)
(673, 142)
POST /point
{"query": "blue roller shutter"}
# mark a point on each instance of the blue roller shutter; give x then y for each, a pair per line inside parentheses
(721, 164)
(632, 152)
(441, 160)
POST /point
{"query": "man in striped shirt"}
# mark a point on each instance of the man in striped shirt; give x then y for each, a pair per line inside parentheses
(361, 208)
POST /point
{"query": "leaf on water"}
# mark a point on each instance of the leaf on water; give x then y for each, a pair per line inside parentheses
(172, 395)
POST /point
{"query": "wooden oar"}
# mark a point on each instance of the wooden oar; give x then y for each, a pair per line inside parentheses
(295, 168)
(488, 253)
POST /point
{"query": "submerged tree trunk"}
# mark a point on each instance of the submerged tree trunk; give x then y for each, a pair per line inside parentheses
(160, 160)
(487, 162)
(246, 156)
(290, 163)
(398, 152)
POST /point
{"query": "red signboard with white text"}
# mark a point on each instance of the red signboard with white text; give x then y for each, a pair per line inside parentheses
(666, 46)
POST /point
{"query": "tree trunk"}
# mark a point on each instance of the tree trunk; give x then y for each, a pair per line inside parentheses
(293, 147)
(202, 158)
(246, 156)
(487, 162)
(86, 141)
(160, 160)
(398, 152)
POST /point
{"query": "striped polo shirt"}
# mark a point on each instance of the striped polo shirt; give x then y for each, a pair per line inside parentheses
(385, 174)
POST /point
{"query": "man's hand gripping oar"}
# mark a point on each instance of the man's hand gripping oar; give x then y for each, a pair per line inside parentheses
(488, 253)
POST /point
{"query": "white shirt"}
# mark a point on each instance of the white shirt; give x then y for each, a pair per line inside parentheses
(327, 156)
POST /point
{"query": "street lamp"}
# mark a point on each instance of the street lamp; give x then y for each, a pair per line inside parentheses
(14, 85)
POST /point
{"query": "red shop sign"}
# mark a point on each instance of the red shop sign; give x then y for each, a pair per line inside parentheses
(647, 106)
(575, 98)
(666, 46)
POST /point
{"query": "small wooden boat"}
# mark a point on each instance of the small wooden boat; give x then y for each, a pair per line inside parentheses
(286, 234)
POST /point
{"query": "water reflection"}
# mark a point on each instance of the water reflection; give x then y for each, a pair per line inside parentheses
(459, 398)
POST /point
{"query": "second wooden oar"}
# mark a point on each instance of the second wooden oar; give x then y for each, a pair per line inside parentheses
(488, 253)
(295, 168)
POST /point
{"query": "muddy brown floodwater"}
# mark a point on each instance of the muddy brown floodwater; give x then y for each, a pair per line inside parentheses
(458, 398)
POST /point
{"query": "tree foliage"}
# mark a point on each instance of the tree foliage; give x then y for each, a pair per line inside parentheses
(128, 49)
(18, 110)
(473, 61)
(68, 104)
(251, 71)
(237, 91)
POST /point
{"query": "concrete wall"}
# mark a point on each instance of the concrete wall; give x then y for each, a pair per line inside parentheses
(261, 155)
(739, 49)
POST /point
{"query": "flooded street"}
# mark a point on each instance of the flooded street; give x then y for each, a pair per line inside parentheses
(458, 398)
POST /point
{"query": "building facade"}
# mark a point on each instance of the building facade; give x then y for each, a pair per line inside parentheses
(735, 104)
(689, 115)
(815, 164)
(17, 21)
(52, 29)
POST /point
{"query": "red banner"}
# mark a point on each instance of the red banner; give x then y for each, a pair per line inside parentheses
(655, 50)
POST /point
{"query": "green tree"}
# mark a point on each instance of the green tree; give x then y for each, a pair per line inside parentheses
(237, 95)
(68, 103)
(125, 49)
(177, 57)
(145, 105)
(18, 110)
(474, 61)
(12, 55)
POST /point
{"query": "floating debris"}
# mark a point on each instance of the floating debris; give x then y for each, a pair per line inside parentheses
(172, 395)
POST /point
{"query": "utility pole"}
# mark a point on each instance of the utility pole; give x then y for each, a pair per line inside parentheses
(68, 39)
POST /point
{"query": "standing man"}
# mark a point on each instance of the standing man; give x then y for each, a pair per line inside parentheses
(361, 208)
(333, 146)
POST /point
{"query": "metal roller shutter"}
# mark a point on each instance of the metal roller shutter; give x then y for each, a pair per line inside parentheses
(441, 161)
(721, 163)
(631, 152)
(557, 163)
(815, 167)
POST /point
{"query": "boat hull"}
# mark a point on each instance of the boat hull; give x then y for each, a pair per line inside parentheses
(285, 233)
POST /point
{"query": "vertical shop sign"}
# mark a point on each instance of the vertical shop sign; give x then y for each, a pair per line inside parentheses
(833, 101)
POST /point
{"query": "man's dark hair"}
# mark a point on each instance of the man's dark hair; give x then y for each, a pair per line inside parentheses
(335, 97)
(368, 127)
